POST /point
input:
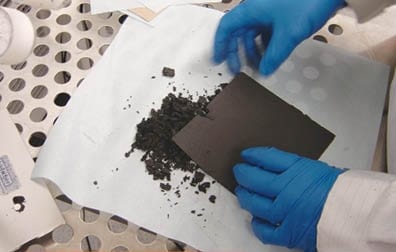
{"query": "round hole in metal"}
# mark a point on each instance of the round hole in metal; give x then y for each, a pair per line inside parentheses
(91, 243)
(42, 31)
(38, 114)
(62, 77)
(84, 8)
(122, 19)
(36, 248)
(145, 236)
(63, 19)
(84, 44)
(79, 82)
(19, 66)
(62, 234)
(84, 25)
(85, 63)
(103, 49)
(320, 38)
(63, 203)
(89, 215)
(43, 14)
(41, 50)
(24, 8)
(66, 3)
(19, 127)
(17, 84)
(120, 249)
(62, 57)
(39, 92)
(63, 37)
(37, 139)
(61, 99)
(105, 31)
(106, 15)
(15, 107)
(40, 70)
(117, 224)
(335, 29)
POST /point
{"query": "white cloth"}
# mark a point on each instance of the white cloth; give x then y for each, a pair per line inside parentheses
(359, 214)
(366, 9)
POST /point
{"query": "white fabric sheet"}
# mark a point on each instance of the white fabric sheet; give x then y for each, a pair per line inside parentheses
(100, 6)
(90, 138)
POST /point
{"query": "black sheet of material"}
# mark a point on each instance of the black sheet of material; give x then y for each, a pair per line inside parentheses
(245, 114)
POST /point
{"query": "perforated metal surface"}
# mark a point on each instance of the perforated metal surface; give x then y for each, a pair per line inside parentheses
(69, 42)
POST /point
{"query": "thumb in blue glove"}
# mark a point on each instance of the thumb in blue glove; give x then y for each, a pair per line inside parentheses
(282, 24)
(285, 193)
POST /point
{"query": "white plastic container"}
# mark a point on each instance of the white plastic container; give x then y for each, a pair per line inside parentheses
(16, 36)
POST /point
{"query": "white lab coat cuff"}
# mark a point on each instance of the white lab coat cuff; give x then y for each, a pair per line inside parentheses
(359, 214)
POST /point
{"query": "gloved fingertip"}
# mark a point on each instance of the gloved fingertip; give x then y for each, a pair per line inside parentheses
(238, 169)
(238, 191)
(234, 68)
(246, 154)
(217, 58)
(266, 70)
(263, 230)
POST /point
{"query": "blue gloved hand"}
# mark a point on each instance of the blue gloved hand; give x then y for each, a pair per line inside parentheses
(285, 193)
(282, 24)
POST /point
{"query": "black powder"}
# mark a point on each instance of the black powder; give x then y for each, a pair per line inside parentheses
(212, 199)
(154, 137)
(168, 72)
(165, 187)
(203, 187)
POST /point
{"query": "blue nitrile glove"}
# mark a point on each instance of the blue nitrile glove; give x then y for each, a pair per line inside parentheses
(285, 193)
(282, 24)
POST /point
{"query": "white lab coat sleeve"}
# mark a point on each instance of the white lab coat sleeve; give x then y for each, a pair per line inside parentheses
(359, 214)
(366, 9)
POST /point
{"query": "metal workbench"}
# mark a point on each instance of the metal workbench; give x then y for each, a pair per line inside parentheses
(68, 43)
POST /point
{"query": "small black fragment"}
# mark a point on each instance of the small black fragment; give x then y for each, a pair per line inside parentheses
(153, 77)
(168, 72)
(174, 89)
(212, 199)
(95, 182)
(166, 186)
(199, 215)
(193, 211)
(220, 74)
(198, 178)
(204, 187)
